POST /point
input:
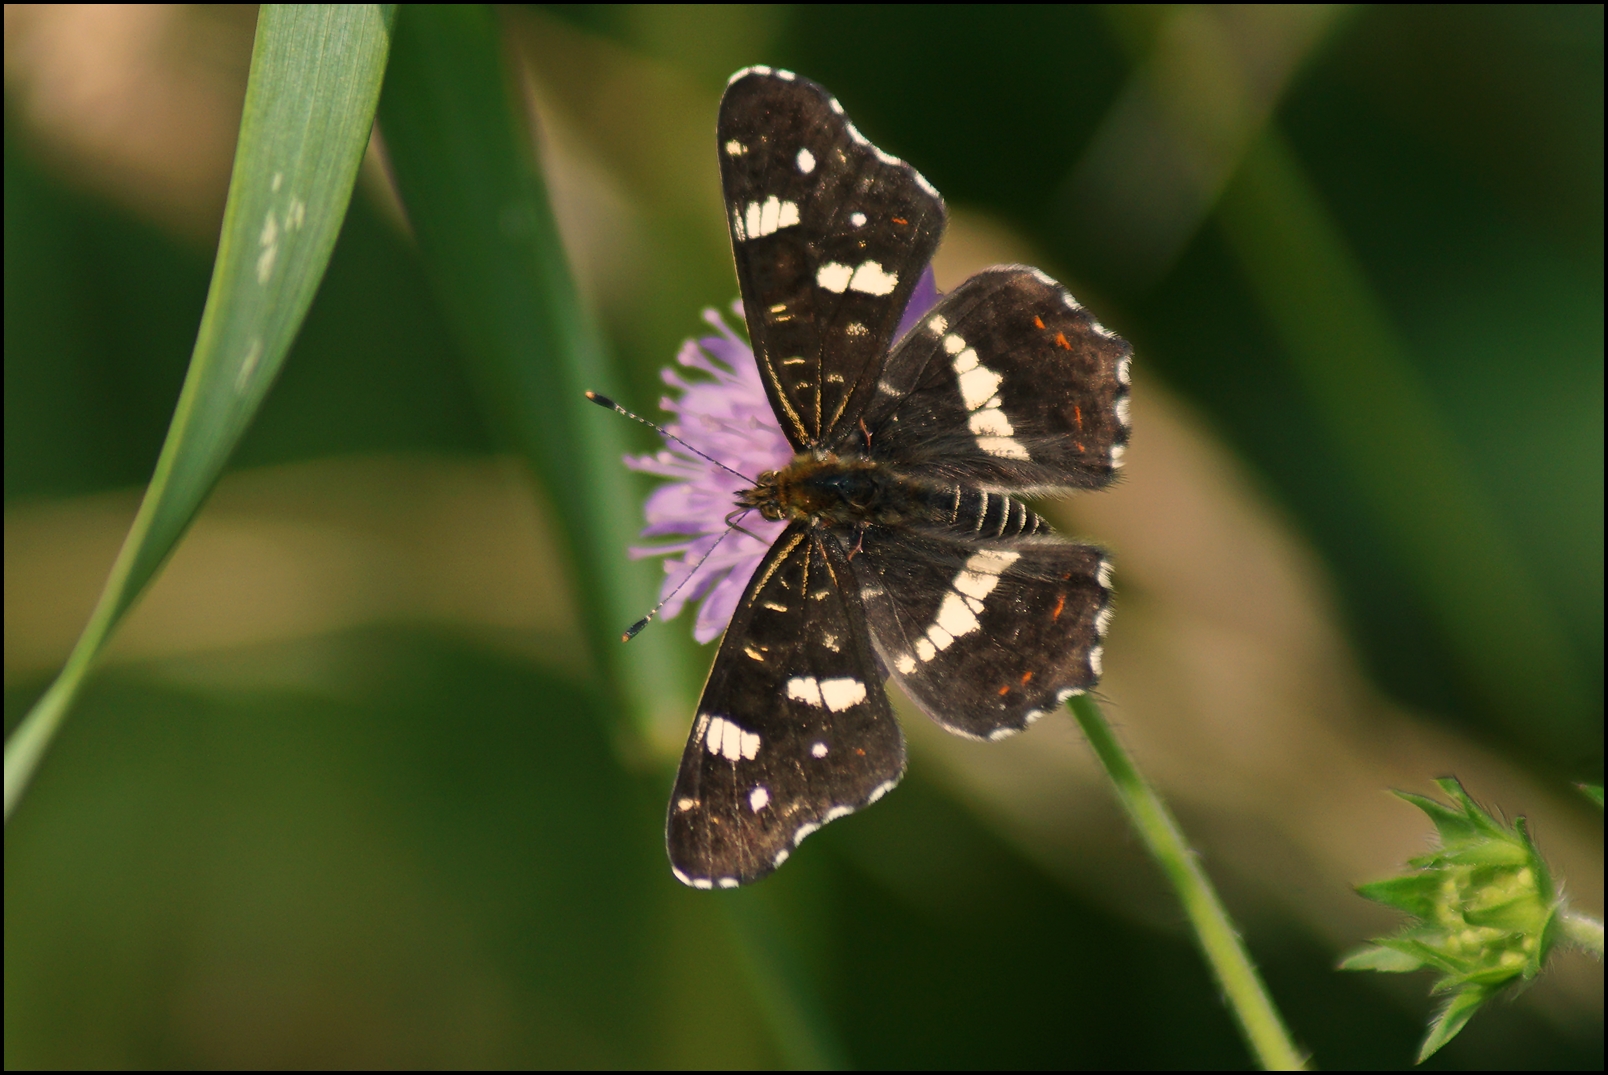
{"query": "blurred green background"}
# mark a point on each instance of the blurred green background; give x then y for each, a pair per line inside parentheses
(346, 794)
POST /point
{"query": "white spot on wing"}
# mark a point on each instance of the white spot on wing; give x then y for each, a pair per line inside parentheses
(953, 343)
(837, 812)
(1102, 622)
(818, 750)
(684, 805)
(1002, 733)
(789, 216)
(729, 882)
(905, 664)
(1070, 692)
(880, 790)
(683, 878)
(991, 422)
(834, 277)
(703, 882)
(806, 161)
(1104, 575)
(804, 830)
(805, 689)
(782, 855)
(751, 221)
(785, 76)
(925, 650)
(978, 385)
(1117, 452)
(937, 325)
(940, 637)
(843, 693)
(872, 280)
(726, 739)
(735, 148)
(921, 181)
(1122, 411)
(758, 799)
(1097, 660)
(857, 219)
(769, 215)
(954, 617)
(1125, 371)
(1004, 447)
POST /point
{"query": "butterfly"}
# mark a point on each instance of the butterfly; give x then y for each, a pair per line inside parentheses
(908, 552)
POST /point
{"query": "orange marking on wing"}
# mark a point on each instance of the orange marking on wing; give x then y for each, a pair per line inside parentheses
(1003, 691)
(1027, 675)
(1060, 604)
(1060, 341)
(860, 751)
(900, 220)
(1079, 446)
(1077, 412)
(1038, 321)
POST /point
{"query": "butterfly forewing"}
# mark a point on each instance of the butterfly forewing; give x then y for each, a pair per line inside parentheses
(985, 637)
(830, 236)
(794, 728)
(1006, 383)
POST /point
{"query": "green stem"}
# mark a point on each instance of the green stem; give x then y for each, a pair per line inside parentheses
(1225, 952)
(1582, 930)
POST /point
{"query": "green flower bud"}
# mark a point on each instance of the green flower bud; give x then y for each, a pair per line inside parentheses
(1485, 911)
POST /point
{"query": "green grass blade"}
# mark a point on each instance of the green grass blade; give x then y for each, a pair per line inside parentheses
(461, 152)
(315, 78)
(1388, 429)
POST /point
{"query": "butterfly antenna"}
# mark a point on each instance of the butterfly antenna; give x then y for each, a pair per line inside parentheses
(636, 628)
(604, 401)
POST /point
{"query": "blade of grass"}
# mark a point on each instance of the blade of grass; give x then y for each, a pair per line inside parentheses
(1243, 989)
(315, 78)
(1385, 422)
(462, 156)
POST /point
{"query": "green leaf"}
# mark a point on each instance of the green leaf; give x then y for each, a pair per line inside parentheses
(1415, 893)
(315, 78)
(1592, 792)
(1379, 958)
(461, 152)
(1452, 826)
(1450, 1021)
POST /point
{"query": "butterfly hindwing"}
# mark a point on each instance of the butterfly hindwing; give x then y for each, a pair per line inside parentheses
(985, 637)
(794, 728)
(830, 236)
(1006, 383)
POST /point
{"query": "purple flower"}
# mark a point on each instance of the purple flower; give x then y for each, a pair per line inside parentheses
(730, 420)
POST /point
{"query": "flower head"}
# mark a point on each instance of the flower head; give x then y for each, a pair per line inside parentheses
(729, 419)
(1485, 910)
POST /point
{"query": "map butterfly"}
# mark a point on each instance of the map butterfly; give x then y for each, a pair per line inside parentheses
(908, 552)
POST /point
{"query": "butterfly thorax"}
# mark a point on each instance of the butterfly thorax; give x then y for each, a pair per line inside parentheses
(853, 490)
